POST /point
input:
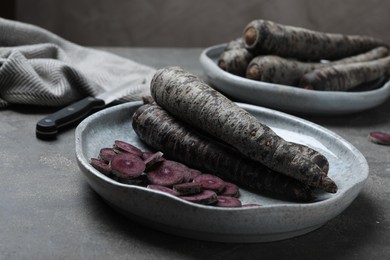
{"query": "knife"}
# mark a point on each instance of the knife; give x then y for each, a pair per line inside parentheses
(48, 127)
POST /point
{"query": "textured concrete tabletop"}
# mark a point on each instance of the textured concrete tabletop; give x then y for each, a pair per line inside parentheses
(48, 211)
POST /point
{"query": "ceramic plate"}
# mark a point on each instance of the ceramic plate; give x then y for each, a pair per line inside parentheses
(275, 220)
(287, 98)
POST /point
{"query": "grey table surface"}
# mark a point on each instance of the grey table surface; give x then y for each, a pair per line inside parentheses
(48, 211)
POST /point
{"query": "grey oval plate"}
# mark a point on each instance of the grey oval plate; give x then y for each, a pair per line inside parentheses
(287, 98)
(275, 220)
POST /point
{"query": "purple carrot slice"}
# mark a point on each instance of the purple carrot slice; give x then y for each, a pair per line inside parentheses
(152, 158)
(250, 205)
(187, 188)
(210, 182)
(227, 201)
(231, 190)
(146, 155)
(125, 147)
(379, 137)
(106, 154)
(101, 166)
(139, 181)
(127, 165)
(167, 173)
(192, 174)
(163, 189)
(205, 197)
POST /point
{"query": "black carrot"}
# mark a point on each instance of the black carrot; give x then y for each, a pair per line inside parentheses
(266, 37)
(188, 98)
(183, 143)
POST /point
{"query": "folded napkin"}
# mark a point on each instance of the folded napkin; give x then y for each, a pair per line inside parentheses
(38, 67)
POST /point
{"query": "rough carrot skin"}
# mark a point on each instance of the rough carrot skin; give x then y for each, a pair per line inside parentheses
(376, 53)
(266, 37)
(183, 143)
(345, 77)
(188, 98)
(279, 70)
(235, 58)
(235, 44)
(235, 61)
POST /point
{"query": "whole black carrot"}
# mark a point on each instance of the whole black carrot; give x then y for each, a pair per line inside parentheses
(183, 143)
(191, 100)
(235, 61)
(266, 37)
(279, 70)
(344, 77)
(235, 58)
(373, 54)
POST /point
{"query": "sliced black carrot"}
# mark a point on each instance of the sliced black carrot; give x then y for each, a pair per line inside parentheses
(192, 174)
(379, 137)
(187, 188)
(101, 166)
(231, 190)
(163, 189)
(210, 182)
(146, 155)
(106, 154)
(127, 165)
(152, 158)
(227, 201)
(139, 181)
(167, 173)
(122, 146)
(250, 205)
(206, 197)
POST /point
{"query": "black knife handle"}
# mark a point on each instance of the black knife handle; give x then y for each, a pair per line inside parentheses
(47, 128)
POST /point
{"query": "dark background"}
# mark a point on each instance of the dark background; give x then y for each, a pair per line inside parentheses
(8, 9)
(190, 23)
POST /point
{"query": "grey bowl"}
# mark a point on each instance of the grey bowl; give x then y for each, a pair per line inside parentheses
(287, 98)
(275, 220)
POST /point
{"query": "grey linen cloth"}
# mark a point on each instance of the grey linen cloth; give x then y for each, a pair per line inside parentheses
(38, 67)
